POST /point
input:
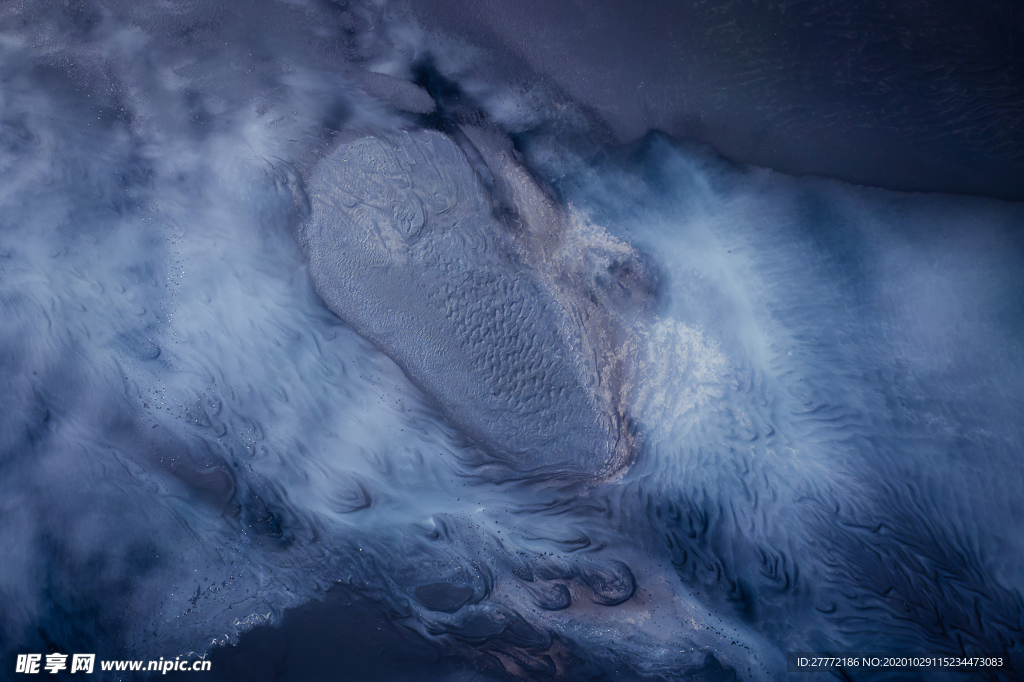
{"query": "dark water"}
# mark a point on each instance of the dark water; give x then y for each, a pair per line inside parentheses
(350, 342)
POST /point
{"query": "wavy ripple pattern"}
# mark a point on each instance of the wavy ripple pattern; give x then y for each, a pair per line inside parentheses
(323, 333)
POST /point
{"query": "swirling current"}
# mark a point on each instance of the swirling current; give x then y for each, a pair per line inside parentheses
(339, 344)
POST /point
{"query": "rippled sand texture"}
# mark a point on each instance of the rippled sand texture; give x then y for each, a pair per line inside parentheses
(335, 346)
(404, 245)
